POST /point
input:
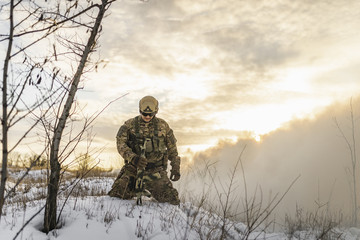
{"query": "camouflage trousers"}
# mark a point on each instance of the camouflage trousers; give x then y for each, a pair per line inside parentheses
(161, 189)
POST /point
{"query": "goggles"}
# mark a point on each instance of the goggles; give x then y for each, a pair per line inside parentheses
(148, 114)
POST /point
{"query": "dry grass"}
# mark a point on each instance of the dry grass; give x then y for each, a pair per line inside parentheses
(319, 224)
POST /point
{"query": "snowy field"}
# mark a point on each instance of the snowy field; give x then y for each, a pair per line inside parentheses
(108, 218)
(89, 214)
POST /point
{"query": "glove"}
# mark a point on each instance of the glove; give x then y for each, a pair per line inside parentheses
(139, 162)
(175, 169)
(174, 174)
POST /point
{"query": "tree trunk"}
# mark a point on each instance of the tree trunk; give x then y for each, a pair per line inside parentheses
(50, 217)
(4, 121)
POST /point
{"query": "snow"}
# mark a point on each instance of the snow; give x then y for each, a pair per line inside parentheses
(92, 215)
(103, 218)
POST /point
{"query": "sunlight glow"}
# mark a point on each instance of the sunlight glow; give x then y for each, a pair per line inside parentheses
(265, 118)
(296, 79)
(257, 138)
(190, 149)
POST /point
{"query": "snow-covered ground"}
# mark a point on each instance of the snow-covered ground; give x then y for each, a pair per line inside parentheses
(110, 218)
(92, 215)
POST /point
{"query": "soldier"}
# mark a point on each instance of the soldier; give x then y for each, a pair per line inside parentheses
(146, 143)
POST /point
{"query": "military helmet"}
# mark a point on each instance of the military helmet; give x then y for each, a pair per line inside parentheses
(148, 104)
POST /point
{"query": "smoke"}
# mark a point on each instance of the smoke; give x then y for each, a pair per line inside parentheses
(313, 149)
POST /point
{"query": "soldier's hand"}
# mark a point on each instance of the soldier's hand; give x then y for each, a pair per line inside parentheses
(139, 162)
(174, 175)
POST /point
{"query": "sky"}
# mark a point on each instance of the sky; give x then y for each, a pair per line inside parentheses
(223, 69)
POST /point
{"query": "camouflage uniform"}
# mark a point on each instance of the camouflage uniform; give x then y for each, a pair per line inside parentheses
(160, 149)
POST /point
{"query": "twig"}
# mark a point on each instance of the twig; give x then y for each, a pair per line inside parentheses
(27, 222)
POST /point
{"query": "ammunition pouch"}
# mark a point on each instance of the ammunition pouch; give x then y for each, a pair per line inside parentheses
(149, 145)
(129, 169)
(162, 164)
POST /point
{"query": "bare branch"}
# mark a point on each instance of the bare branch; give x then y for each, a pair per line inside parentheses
(28, 221)
(56, 24)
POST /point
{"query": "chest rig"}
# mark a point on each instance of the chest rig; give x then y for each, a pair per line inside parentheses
(155, 146)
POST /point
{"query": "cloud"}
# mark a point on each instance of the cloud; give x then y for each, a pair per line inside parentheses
(346, 77)
(232, 41)
(221, 68)
(313, 149)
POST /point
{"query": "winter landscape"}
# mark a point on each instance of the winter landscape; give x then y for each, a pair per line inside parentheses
(262, 98)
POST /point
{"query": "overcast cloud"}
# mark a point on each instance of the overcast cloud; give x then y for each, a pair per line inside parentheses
(222, 69)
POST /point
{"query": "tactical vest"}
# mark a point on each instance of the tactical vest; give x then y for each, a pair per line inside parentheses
(155, 147)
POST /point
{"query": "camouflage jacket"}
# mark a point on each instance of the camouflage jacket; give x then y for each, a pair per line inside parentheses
(161, 148)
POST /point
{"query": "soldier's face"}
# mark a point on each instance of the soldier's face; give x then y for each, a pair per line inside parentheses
(146, 118)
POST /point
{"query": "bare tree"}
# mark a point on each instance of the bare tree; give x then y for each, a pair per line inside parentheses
(21, 74)
(351, 145)
(32, 83)
(32, 23)
(50, 220)
(4, 113)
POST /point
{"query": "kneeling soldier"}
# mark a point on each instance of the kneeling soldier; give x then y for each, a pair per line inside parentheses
(147, 143)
